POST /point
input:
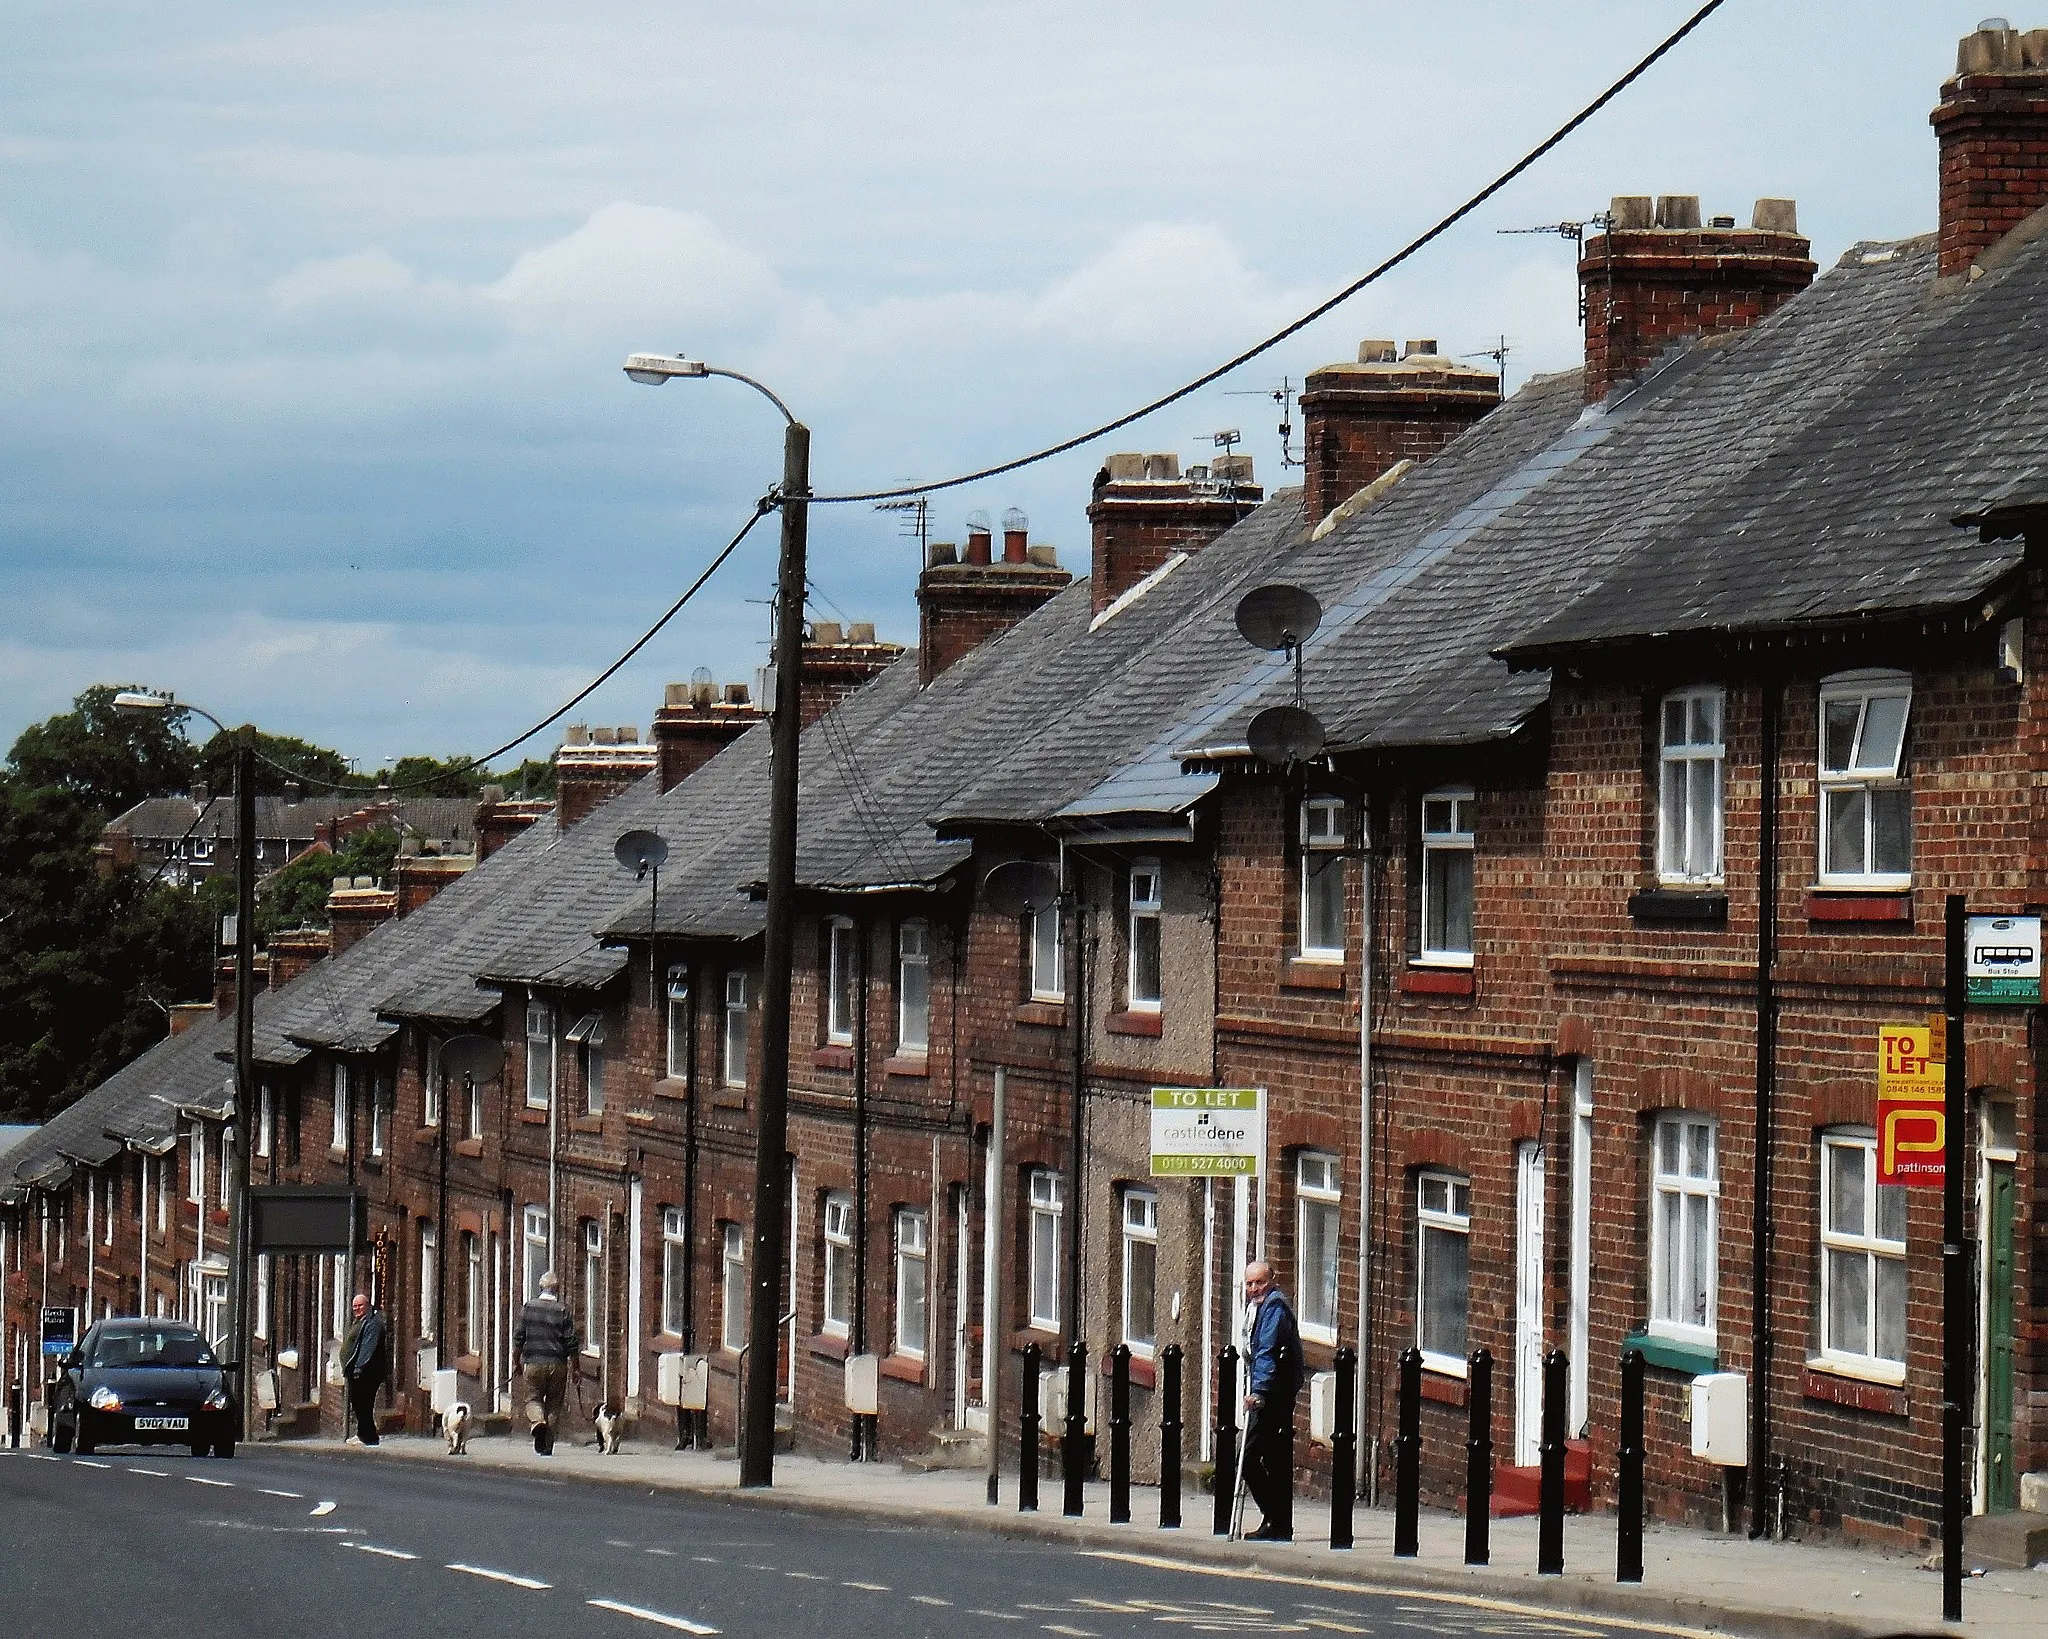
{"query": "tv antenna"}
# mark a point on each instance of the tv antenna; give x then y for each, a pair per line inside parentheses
(1576, 233)
(917, 524)
(1282, 395)
(1499, 355)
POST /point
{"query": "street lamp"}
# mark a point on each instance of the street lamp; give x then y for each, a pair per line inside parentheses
(137, 703)
(764, 1308)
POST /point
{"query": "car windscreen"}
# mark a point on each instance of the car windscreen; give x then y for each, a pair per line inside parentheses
(159, 1348)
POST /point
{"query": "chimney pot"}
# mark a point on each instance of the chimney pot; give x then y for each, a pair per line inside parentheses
(1015, 546)
(576, 734)
(861, 631)
(826, 633)
(1992, 124)
(1422, 349)
(1678, 210)
(1123, 467)
(1775, 216)
(737, 694)
(979, 546)
(941, 552)
(600, 736)
(677, 694)
(1044, 557)
(629, 734)
(1632, 211)
(1722, 222)
(2034, 48)
(1376, 352)
(1165, 467)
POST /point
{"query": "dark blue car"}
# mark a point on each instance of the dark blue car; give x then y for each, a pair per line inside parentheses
(143, 1382)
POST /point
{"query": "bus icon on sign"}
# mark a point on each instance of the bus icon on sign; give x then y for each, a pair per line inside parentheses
(2002, 959)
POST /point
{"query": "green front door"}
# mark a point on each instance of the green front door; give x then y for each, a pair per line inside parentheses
(2002, 1484)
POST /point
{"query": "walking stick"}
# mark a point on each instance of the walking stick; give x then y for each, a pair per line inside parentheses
(1244, 1446)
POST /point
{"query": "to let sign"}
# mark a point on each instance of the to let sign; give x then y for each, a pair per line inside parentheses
(1912, 1112)
(1208, 1132)
(2002, 960)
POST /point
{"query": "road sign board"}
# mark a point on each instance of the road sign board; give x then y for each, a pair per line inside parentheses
(1208, 1132)
(306, 1218)
(2002, 960)
(1912, 1112)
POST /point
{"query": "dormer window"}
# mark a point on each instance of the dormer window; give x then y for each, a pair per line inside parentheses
(1866, 815)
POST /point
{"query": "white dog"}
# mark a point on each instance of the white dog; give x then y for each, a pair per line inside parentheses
(455, 1425)
(608, 1421)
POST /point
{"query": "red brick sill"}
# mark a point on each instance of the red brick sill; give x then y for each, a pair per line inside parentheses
(1824, 906)
(1437, 981)
(1144, 1373)
(1133, 1023)
(829, 1346)
(471, 1147)
(901, 1065)
(672, 1087)
(1300, 974)
(1445, 1390)
(728, 1098)
(832, 1057)
(1881, 1398)
(1051, 1351)
(1051, 1015)
(586, 1123)
(425, 1135)
(533, 1118)
(903, 1370)
(469, 1365)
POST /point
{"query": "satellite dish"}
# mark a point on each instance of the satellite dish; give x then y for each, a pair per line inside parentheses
(1285, 734)
(1021, 887)
(637, 850)
(472, 1058)
(1278, 616)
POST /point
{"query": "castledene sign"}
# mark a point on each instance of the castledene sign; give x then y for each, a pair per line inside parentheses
(1207, 1132)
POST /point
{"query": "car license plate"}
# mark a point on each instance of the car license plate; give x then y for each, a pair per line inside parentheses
(146, 1425)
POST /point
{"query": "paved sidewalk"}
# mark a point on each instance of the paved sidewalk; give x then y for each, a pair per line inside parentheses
(1692, 1580)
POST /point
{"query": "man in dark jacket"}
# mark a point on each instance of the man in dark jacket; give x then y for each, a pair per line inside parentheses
(546, 1348)
(1272, 1380)
(365, 1365)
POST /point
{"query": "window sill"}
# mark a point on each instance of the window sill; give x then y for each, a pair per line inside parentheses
(1144, 1369)
(1688, 906)
(1443, 1365)
(1861, 1371)
(1827, 1381)
(1674, 1354)
(532, 1117)
(829, 1346)
(1859, 905)
(423, 1135)
(729, 1098)
(903, 1368)
(1445, 1389)
(1050, 1015)
(832, 1056)
(1421, 980)
(587, 1123)
(1133, 1022)
(677, 1087)
(906, 1064)
(1313, 973)
(468, 1365)
(642, 1118)
(1050, 1349)
(471, 1147)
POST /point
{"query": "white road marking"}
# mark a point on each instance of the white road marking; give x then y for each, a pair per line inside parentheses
(927, 1599)
(665, 1553)
(614, 1542)
(870, 1587)
(372, 1548)
(704, 1559)
(42, 1456)
(87, 1462)
(531, 1583)
(294, 1495)
(153, 1473)
(682, 1624)
(321, 1509)
(1000, 1616)
(201, 1479)
(806, 1576)
(1073, 1633)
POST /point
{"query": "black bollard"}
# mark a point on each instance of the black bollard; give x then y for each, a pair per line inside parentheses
(1550, 1487)
(1479, 1459)
(1408, 1456)
(1075, 1439)
(1628, 1527)
(1169, 1437)
(1027, 1449)
(1224, 1483)
(1344, 1450)
(1120, 1435)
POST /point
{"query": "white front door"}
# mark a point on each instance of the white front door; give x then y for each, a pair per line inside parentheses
(1579, 1341)
(1528, 1302)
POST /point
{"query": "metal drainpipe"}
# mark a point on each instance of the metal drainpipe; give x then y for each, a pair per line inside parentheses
(1365, 1284)
(690, 1168)
(1766, 1090)
(1078, 990)
(861, 1451)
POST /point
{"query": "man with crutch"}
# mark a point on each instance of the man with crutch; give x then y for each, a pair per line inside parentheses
(1272, 1382)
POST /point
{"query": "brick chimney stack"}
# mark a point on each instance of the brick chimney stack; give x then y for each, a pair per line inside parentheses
(1145, 509)
(499, 819)
(962, 605)
(837, 661)
(593, 766)
(1656, 277)
(357, 906)
(1992, 124)
(1360, 419)
(698, 720)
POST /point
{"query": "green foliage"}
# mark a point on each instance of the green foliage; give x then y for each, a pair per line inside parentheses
(296, 896)
(533, 778)
(434, 777)
(314, 767)
(110, 759)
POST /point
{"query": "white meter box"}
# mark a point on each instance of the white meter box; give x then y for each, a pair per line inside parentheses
(1720, 1418)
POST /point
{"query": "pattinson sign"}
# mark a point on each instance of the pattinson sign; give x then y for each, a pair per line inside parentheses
(1912, 1110)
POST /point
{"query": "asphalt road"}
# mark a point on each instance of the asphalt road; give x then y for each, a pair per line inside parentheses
(279, 1542)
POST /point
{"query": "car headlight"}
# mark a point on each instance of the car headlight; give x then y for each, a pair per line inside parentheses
(218, 1399)
(104, 1399)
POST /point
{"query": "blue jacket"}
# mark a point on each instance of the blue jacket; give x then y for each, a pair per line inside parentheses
(1273, 1358)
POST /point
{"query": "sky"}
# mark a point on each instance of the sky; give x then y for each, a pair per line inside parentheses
(311, 316)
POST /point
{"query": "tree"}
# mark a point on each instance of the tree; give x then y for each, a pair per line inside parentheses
(312, 767)
(110, 759)
(535, 777)
(434, 777)
(296, 895)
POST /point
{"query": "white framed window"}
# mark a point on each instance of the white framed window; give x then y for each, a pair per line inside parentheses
(842, 980)
(588, 1035)
(1692, 759)
(430, 1278)
(430, 1087)
(1866, 804)
(914, 987)
(475, 1124)
(165, 1168)
(1048, 954)
(472, 1293)
(1443, 1264)
(266, 1119)
(1045, 1204)
(195, 1183)
(213, 1308)
(259, 1321)
(733, 1289)
(1143, 982)
(1318, 1202)
(380, 1113)
(110, 1204)
(675, 1271)
(1684, 1231)
(536, 1251)
(838, 1220)
(1141, 1271)
(677, 1063)
(343, 1106)
(735, 1045)
(1322, 879)
(222, 1170)
(1447, 878)
(593, 1286)
(1863, 1259)
(912, 1256)
(540, 1056)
